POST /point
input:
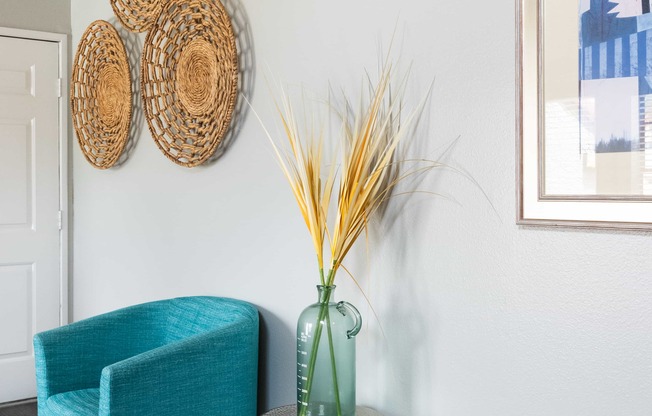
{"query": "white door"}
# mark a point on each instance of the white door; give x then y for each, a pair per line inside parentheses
(30, 251)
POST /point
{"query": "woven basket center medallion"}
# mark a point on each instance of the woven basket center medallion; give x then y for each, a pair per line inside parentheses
(112, 97)
(196, 75)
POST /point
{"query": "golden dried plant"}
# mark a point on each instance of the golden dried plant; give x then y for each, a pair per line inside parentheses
(365, 174)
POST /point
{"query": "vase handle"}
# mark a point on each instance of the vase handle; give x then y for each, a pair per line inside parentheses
(342, 308)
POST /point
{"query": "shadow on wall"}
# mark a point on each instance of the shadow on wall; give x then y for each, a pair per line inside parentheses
(247, 68)
(276, 358)
(409, 337)
(395, 354)
(407, 314)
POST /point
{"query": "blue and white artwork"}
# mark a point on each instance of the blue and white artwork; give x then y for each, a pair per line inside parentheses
(615, 73)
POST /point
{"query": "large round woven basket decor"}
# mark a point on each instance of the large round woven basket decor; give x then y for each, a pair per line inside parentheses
(137, 15)
(189, 79)
(100, 95)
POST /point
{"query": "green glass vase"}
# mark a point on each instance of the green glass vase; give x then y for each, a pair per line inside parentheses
(326, 356)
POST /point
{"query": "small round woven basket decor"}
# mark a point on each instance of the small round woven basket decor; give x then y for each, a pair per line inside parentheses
(100, 95)
(189, 79)
(137, 15)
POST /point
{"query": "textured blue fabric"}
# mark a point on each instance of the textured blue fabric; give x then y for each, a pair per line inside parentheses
(184, 356)
(84, 402)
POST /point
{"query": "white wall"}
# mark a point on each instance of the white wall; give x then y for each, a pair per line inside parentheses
(42, 15)
(481, 317)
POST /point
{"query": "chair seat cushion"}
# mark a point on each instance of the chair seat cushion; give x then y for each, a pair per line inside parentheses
(75, 403)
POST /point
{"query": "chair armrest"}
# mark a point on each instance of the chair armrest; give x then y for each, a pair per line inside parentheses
(213, 373)
(72, 357)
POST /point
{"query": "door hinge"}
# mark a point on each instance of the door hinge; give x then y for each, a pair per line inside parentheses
(60, 220)
(59, 87)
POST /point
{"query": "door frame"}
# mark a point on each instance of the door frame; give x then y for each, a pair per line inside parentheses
(65, 213)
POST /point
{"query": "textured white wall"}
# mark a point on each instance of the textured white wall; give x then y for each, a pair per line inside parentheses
(42, 15)
(481, 317)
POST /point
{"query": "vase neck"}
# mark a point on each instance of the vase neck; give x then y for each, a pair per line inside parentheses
(325, 293)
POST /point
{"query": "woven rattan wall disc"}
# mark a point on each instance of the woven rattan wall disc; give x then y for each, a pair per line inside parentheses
(100, 95)
(189, 79)
(137, 15)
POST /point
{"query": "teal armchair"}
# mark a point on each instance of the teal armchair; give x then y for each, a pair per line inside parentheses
(177, 357)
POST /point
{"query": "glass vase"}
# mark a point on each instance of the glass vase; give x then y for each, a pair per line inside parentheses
(326, 356)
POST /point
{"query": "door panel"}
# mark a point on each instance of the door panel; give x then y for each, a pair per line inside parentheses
(16, 301)
(15, 163)
(16, 82)
(30, 259)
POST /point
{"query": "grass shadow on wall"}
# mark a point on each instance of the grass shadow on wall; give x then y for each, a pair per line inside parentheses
(405, 310)
(410, 320)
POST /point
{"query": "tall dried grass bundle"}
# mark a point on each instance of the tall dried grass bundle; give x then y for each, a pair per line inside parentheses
(365, 174)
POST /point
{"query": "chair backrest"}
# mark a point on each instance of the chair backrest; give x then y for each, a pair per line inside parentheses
(198, 314)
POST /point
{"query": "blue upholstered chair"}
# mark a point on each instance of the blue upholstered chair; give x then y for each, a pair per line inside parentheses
(178, 357)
